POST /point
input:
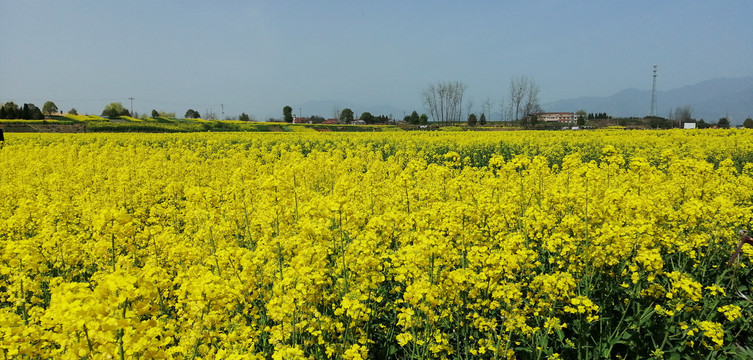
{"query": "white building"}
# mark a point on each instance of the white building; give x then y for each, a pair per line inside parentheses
(561, 117)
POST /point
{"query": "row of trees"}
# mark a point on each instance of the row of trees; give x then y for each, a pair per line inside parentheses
(444, 101)
(473, 120)
(597, 116)
(114, 110)
(723, 123)
(368, 118)
(162, 114)
(117, 109)
(346, 116)
(29, 111)
(684, 114)
(415, 119)
(12, 111)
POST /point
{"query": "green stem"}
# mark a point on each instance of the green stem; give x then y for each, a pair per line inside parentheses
(88, 341)
(279, 259)
(214, 252)
(112, 244)
(121, 352)
(295, 196)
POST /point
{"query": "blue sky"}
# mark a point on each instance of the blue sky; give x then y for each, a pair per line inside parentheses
(258, 56)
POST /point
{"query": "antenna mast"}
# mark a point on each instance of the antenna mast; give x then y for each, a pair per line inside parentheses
(652, 110)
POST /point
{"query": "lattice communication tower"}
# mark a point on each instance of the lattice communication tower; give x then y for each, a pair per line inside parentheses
(652, 110)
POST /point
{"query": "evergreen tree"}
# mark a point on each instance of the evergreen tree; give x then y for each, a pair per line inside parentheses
(482, 120)
(24, 112)
(287, 114)
(723, 123)
(34, 112)
(472, 120)
(414, 118)
(12, 111)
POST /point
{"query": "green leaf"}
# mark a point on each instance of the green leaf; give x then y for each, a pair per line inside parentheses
(561, 335)
(391, 350)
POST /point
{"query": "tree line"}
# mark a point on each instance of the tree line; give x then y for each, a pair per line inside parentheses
(445, 103)
(684, 114)
(29, 111)
(597, 116)
(346, 116)
(443, 100)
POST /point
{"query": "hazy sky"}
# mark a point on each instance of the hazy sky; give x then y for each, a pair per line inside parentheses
(257, 56)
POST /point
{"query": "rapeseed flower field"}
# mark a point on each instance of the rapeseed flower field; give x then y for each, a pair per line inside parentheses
(484, 245)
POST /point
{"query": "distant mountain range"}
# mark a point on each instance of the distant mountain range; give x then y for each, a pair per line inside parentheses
(709, 100)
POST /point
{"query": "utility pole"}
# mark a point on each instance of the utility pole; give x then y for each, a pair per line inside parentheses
(131, 98)
(223, 111)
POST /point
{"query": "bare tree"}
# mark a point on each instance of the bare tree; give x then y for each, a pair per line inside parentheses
(504, 112)
(517, 93)
(524, 97)
(468, 107)
(486, 107)
(532, 99)
(336, 112)
(683, 114)
(445, 101)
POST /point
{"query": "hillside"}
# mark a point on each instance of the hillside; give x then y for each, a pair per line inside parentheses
(710, 100)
